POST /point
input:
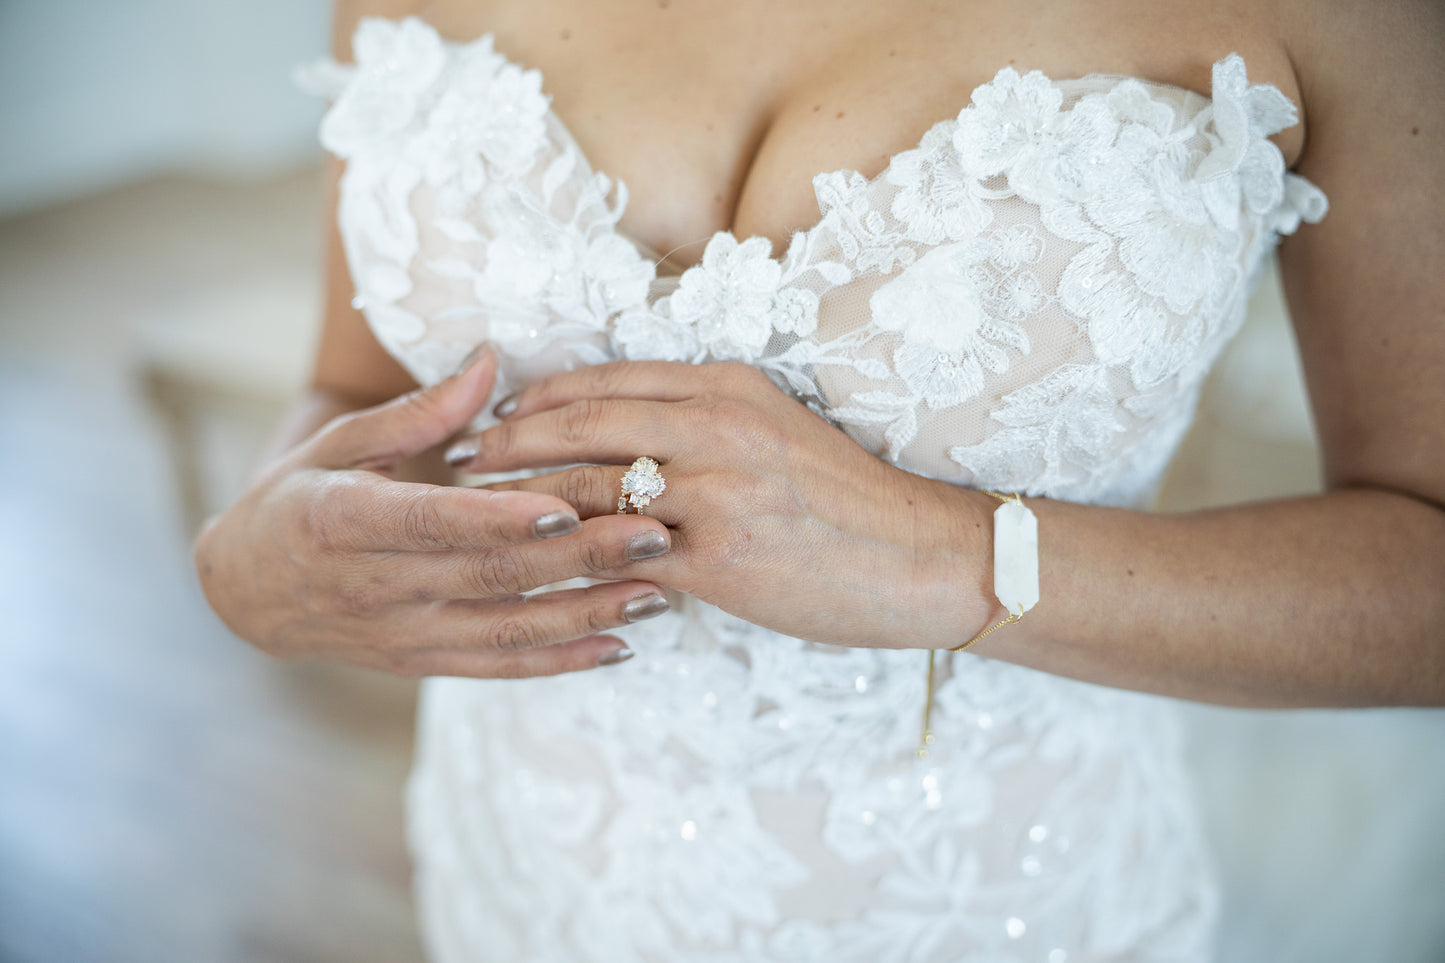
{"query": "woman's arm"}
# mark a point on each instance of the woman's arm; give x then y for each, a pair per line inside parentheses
(352, 371)
(331, 553)
(1337, 599)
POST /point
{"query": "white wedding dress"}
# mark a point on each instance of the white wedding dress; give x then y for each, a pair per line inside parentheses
(1027, 301)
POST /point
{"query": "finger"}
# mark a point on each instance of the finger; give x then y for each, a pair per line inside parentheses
(370, 513)
(387, 434)
(592, 490)
(582, 431)
(573, 656)
(638, 380)
(607, 547)
(530, 622)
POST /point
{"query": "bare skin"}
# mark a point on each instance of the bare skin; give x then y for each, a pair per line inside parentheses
(1337, 599)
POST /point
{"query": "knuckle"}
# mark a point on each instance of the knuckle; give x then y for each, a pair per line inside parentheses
(597, 618)
(341, 431)
(594, 557)
(501, 440)
(739, 424)
(425, 410)
(421, 523)
(748, 428)
(741, 495)
(360, 596)
(583, 486)
(515, 633)
(493, 573)
(726, 548)
(401, 662)
(737, 374)
(326, 526)
(595, 380)
(580, 421)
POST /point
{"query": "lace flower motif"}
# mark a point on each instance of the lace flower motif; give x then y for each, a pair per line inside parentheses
(397, 65)
(863, 234)
(728, 307)
(450, 111)
(650, 334)
(540, 283)
(1015, 128)
(937, 199)
(949, 335)
(728, 298)
(493, 110)
(1163, 239)
(1057, 435)
(1005, 123)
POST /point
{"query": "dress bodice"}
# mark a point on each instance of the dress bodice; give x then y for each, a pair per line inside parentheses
(1028, 300)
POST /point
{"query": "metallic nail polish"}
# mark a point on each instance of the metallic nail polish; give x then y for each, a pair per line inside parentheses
(646, 545)
(645, 607)
(557, 523)
(462, 452)
(472, 357)
(506, 406)
(615, 656)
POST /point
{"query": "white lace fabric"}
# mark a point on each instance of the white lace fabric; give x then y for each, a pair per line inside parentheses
(1028, 301)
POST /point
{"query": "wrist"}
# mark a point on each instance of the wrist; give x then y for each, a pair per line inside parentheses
(953, 568)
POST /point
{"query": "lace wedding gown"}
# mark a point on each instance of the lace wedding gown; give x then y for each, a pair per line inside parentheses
(1027, 301)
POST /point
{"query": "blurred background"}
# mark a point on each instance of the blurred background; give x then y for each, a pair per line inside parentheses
(166, 793)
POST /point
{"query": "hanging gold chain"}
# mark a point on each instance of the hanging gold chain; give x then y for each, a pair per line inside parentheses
(926, 739)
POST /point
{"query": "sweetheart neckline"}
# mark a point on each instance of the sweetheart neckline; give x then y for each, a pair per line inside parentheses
(1180, 92)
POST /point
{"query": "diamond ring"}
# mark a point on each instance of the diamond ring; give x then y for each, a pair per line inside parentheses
(640, 486)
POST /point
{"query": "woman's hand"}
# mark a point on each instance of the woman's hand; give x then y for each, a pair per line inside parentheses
(329, 555)
(776, 516)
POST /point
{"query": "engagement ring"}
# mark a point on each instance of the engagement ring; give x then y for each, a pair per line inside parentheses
(640, 486)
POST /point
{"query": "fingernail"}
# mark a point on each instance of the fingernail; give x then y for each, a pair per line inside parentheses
(615, 656)
(645, 607)
(646, 545)
(472, 357)
(506, 406)
(462, 452)
(557, 523)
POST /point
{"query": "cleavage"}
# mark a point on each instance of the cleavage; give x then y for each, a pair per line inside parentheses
(743, 102)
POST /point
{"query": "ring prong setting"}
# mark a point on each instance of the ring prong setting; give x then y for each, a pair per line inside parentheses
(640, 485)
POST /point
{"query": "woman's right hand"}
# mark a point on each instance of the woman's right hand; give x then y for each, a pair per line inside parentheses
(329, 555)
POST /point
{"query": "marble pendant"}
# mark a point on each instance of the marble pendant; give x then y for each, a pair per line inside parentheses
(1016, 556)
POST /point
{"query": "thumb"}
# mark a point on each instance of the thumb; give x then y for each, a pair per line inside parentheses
(383, 436)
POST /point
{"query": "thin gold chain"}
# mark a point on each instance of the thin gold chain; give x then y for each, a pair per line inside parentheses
(926, 739)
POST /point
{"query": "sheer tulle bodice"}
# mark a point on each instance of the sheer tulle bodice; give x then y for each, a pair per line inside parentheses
(1028, 300)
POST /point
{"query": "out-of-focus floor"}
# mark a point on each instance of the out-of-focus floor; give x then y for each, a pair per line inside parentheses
(165, 792)
(168, 794)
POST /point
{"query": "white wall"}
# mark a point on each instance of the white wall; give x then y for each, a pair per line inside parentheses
(93, 93)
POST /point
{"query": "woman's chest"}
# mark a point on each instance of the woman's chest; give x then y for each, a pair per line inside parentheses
(718, 115)
(1026, 299)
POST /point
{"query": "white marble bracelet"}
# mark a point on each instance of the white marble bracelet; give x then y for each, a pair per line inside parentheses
(1015, 557)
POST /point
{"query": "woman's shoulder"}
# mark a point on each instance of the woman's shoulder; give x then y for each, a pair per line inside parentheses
(455, 19)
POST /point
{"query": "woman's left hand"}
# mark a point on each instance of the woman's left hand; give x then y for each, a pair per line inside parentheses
(776, 516)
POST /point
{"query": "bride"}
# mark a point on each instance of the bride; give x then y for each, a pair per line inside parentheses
(851, 275)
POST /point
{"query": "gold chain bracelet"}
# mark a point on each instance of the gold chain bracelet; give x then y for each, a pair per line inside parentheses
(926, 739)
